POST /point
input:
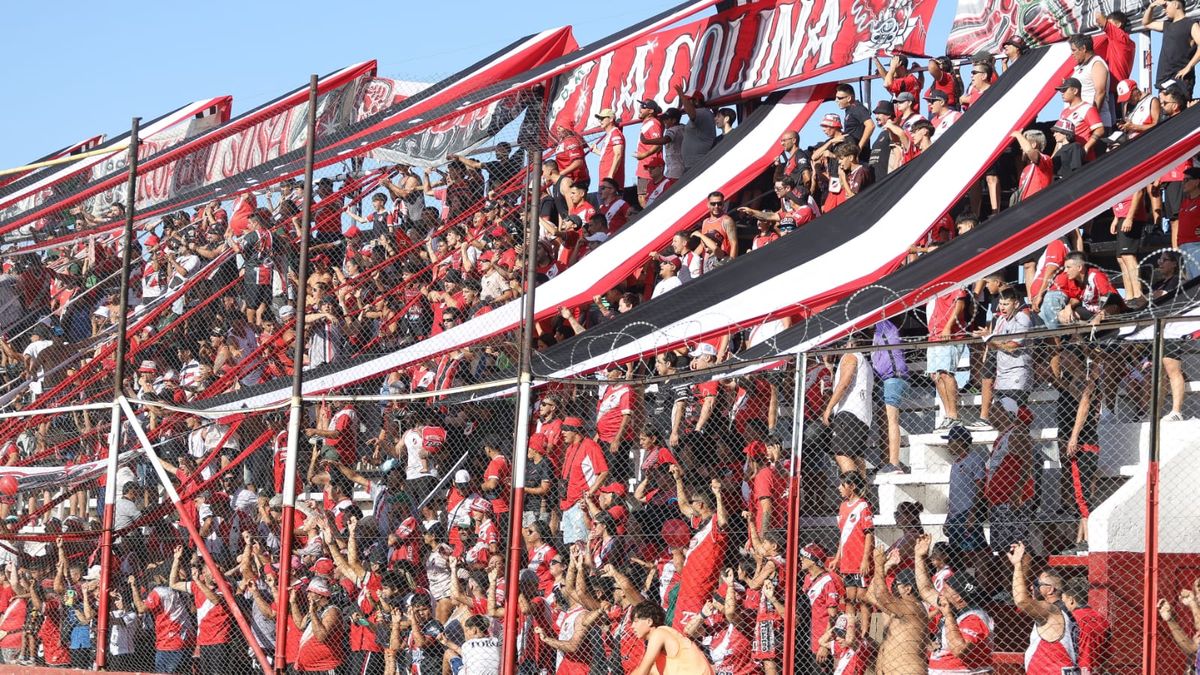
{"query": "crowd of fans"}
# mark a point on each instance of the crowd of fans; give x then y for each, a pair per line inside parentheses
(654, 523)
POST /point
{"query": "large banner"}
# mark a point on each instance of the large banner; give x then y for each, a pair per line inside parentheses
(457, 135)
(164, 133)
(8, 181)
(984, 25)
(740, 52)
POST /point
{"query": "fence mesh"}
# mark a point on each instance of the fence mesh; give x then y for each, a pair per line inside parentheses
(890, 504)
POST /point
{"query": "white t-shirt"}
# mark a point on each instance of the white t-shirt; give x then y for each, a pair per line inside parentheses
(480, 656)
(414, 444)
(665, 285)
(673, 152)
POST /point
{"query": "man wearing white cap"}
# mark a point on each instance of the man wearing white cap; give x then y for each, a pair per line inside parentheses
(610, 147)
(1142, 112)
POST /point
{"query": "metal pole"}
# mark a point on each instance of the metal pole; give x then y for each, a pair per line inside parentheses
(114, 445)
(792, 552)
(1150, 591)
(218, 574)
(296, 410)
(524, 401)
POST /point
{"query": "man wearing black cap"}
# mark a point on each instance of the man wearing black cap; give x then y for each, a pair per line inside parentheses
(1014, 48)
(1180, 43)
(941, 115)
(964, 640)
(881, 149)
(648, 155)
(1080, 116)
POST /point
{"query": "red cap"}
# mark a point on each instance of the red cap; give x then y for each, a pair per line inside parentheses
(151, 241)
(538, 441)
(573, 422)
(614, 488)
(832, 121)
(498, 231)
(353, 231)
(324, 567)
(675, 533)
(814, 553)
(481, 505)
(407, 528)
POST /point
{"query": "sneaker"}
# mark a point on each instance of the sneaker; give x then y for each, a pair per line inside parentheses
(887, 468)
(946, 423)
(980, 424)
(1173, 417)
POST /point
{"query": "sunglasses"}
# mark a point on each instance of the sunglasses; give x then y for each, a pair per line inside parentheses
(716, 203)
(979, 72)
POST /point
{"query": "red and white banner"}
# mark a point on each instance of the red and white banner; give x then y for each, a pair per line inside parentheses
(380, 93)
(744, 51)
(83, 146)
(984, 25)
(166, 132)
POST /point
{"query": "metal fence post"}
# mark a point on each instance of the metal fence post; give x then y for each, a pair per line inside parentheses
(800, 380)
(1150, 591)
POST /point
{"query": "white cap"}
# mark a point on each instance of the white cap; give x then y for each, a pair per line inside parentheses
(704, 349)
(204, 511)
(462, 476)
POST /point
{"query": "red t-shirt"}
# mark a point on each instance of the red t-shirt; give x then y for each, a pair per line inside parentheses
(1054, 255)
(944, 307)
(615, 404)
(1091, 292)
(584, 461)
(169, 616)
(498, 469)
(1093, 637)
(1084, 118)
(976, 629)
(855, 521)
(362, 638)
(566, 152)
(50, 633)
(910, 83)
(944, 84)
(346, 444)
(1036, 176)
(768, 484)
(651, 128)
(212, 619)
(1189, 220)
(555, 445)
(616, 213)
(612, 155)
(701, 567)
(824, 591)
(1117, 51)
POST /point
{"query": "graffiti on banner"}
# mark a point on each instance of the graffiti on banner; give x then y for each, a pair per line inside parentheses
(984, 25)
(744, 51)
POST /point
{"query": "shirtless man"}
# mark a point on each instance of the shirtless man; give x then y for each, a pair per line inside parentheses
(1053, 641)
(903, 648)
(668, 652)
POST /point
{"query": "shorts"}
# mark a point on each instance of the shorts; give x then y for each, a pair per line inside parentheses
(850, 435)
(1084, 467)
(1129, 242)
(1021, 396)
(894, 389)
(987, 368)
(257, 295)
(854, 581)
(942, 359)
(572, 526)
(1172, 196)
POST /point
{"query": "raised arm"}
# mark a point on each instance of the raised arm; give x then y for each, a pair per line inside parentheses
(920, 568)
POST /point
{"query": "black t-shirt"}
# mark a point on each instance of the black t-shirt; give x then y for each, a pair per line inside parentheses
(535, 473)
(1067, 160)
(855, 119)
(881, 154)
(500, 171)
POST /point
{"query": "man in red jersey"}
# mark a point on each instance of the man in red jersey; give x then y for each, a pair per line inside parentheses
(1093, 627)
(718, 220)
(1185, 230)
(173, 627)
(1053, 640)
(964, 636)
(705, 554)
(584, 471)
(569, 155)
(824, 592)
(1076, 293)
(610, 147)
(648, 155)
(212, 617)
(1082, 116)
(614, 412)
(614, 209)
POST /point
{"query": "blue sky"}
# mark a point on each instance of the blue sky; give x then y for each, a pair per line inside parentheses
(74, 70)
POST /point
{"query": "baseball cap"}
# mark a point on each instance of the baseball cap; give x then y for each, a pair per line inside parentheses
(963, 584)
(286, 311)
(907, 577)
(538, 441)
(1064, 127)
(650, 104)
(832, 121)
(814, 554)
(148, 367)
(704, 349)
(958, 433)
(319, 587)
(1125, 89)
(573, 423)
(1018, 42)
(614, 488)
(937, 95)
(462, 476)
(324, 567)
(905, 96)
(607, 112)
(481, 505)
(675, 533)
(1191, 172)
(884, 108)
(1069, 83)
(669, 260)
